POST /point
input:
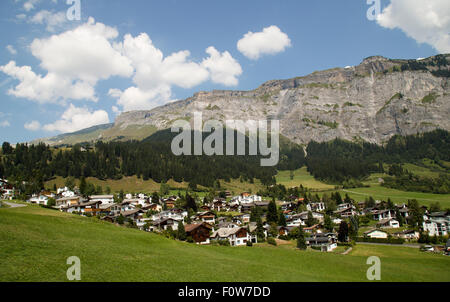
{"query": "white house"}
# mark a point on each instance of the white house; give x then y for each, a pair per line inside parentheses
(41, 199)
(236, 236)
(376, 234)
(104, 199)
(388, 223)
(316, 206)
(383, 214)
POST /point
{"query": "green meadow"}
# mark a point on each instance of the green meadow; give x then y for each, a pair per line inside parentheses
(36, 242)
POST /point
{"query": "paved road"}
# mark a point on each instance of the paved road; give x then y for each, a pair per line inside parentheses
(14, 205)
(388, 244)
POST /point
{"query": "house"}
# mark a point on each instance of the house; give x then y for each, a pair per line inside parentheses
(345, 212)
(326, 242)
(90, 207)
(289, 206)
(136, 201)
(219, 205)
(316, 207)
(407, 234)
(312, 229)
(136, 216)
(375, 233)
(447, 248)
(41, 200)
(262, 204)
(388, 223)
(294, 221)
(404, 212)
(383, 214)
(110, 209)
(152, 207)
(68, 201)
(247, 207)
(170, 204)
(166, 223)
(236, 236)
(104, 199)
(436, 223)
(284, 231)
(208, 217)
(199, 232)
(344, 206)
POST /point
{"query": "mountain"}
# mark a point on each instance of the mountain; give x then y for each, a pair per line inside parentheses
(373, 101)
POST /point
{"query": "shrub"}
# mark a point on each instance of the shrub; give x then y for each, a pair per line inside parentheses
(249, 243)
(271, 241)
(380, 240)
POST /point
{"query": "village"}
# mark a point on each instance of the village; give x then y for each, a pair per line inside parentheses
(247, 219)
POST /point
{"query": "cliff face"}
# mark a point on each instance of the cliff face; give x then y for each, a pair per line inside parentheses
(372, 101)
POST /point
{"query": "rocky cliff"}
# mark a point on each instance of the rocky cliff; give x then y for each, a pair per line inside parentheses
(372, 101)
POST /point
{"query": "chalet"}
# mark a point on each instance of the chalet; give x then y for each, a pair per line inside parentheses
(152, 207)
(90, 207)
(208, 217)
(170, 204)
(199, 232)
(166, 223)
(236, 236)
(284, 231)
(295, 220)
(234, 208)
(436, 223)
(262, 205)
(136, 201)
(289, 206)
(68, 201)
(383, 214)
(312, 229)
(41, 200)
(227, 224)
(388, 223)
(205, 208)
(343, 206)
(404, 212)
(375, 233)
(110, 209)
(219, 205)
(126, 205)
(326, 242)
(316, 207)
(104, 199)
(345, 212)
(407, 234)
(316, 215)
(247, 207)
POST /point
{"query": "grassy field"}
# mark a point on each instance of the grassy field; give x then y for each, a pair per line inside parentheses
(382, 193)
(36, 243)
(301, 177)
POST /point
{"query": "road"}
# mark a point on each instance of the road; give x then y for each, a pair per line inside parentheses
(14, 205)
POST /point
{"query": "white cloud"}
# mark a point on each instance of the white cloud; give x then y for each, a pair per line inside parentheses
(50, 19)
(74, 119)
(11, 49)
(424, 21)
(4, 124)
(270, 41)
(74, 60)
(155, 74)
(30, 4)
(223, 67)
(33, 126)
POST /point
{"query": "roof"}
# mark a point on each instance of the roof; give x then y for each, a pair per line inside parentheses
(226, 232)
(68, 198)
(383, 221)
(101, 197)
(130, 212)
(373, 230)
(194, 226)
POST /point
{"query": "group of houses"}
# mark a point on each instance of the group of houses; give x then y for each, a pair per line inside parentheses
(207, 225)
(7, 191)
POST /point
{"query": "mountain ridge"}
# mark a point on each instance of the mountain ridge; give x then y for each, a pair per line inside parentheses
(372, 101)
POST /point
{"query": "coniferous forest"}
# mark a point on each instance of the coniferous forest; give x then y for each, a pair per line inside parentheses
(337, 161)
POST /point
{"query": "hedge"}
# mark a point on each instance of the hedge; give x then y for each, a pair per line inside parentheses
(380, 240)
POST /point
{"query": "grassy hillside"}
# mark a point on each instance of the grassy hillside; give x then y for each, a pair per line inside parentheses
(36, 243)
(301, 177)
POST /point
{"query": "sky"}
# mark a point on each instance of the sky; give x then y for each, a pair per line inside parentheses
(66, 65)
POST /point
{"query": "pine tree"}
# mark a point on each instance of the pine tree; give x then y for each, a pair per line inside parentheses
(181, 232)
(282, 220)
(272, 215)
(343, 232)
(301, 241)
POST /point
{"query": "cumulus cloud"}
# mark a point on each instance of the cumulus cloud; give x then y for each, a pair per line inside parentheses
(424, 21)
(224, 69)
(155, 74)
(268, 42)
(4, 124)
(30, 4)
(33, 126)
(11, 49)
(74, 119)
(75, 61)
(50, 19)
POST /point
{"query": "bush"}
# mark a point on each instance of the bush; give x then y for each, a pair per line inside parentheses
(224, 242)
(249, 243)
(283, 237)
(379, 240)
(189, 239)
(271, 241)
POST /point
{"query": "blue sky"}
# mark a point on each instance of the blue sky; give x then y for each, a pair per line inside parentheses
(310, 36)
